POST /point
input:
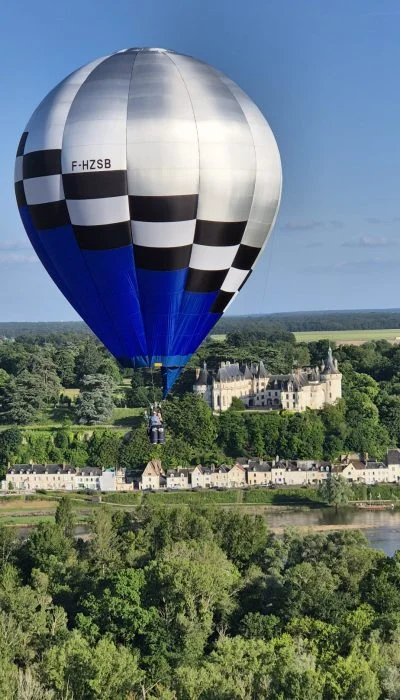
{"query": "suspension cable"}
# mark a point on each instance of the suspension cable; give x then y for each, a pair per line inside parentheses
(152, 384)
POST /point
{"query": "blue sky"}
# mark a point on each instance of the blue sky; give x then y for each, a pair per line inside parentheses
(326, 77)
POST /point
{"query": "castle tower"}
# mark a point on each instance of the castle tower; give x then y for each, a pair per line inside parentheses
(332, 379)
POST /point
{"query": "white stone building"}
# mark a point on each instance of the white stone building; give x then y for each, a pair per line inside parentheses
(152, 477)
(62, 477)
(177, 478)
(364, 470)
(304, 388)
(286, 472)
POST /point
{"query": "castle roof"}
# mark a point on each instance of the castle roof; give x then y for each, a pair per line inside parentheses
(294, 381)
(262, 372)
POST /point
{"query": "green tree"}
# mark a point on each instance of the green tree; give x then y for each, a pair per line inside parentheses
(110, 368)
(242, 537)
(103, 671)
(88, 360)
(305, 437)
(311, 589)
(4, 378)
(335, 490)
(118, 611)
(191, 418)
(232, 433)
(61, 439)
(65, 363)
(240, 668)
(104, 448)
(103, 550)
(95, 403)
(334, 420)
(64, 516)
(352, 678)
(389, 414)
(10, 443)
(49, 550)
(190, 584)
(137, 450)
(236, 404)
(23, 397)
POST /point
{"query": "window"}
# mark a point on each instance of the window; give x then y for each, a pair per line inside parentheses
(294, 396)
(287, 404)
(287, 396)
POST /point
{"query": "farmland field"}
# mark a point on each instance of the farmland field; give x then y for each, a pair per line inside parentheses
(350, 337)
(355, 337)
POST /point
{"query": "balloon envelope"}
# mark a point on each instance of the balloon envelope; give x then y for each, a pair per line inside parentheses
(148, 183)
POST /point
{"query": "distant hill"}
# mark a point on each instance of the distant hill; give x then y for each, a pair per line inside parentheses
(13, 329)
(313, 321)
(364, 319)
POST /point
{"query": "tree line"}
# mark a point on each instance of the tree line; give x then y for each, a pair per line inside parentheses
(362, 319)
(312, 321)
(195, 604)
(34, 372)
(33, 376)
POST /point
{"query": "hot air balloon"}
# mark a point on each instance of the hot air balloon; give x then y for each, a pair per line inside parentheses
(148, 183)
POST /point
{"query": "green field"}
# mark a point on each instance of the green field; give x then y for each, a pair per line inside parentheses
(22, 511)
(358, 336)
(219, 337)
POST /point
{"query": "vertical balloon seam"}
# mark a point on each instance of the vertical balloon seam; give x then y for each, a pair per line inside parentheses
(37, 243)
(255, 178)
(146, 353)
(200, 319)
(139, 290)
(198, 182)
(230, 83)
(216, 74)
(150, 326)
(111, 321)
(57, 274)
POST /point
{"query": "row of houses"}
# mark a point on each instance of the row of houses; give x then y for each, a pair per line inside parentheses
(355, 468)
(60, 477)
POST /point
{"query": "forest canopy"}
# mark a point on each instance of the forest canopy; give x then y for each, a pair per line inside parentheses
(199, 604)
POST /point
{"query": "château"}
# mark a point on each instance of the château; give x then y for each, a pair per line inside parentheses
(304, 387)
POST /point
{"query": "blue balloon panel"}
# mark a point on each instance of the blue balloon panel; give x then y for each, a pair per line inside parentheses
(143, 317)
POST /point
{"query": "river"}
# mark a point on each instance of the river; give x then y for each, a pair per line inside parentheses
(382, 528)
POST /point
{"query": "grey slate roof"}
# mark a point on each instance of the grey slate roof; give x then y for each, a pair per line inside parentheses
(41, 469)
(393, 456)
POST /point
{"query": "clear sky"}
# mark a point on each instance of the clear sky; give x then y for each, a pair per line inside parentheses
(326, 76)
